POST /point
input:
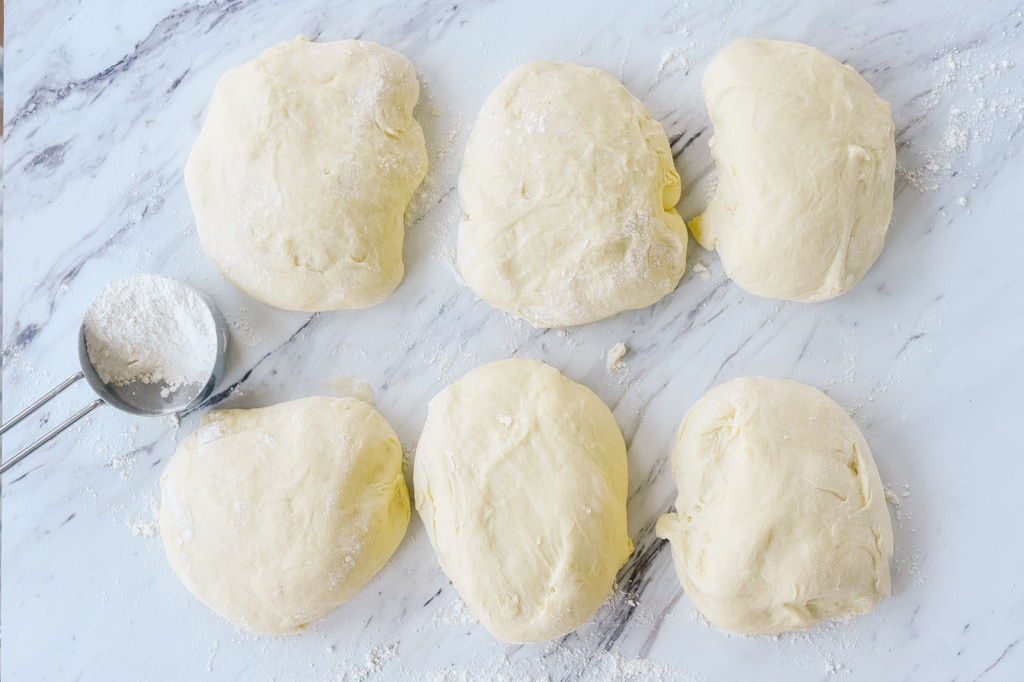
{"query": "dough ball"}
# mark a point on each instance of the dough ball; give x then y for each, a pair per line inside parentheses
(806, 159)
(781, 519)
(302, 172)
(567, 190)
(275, 516)
(520, 478)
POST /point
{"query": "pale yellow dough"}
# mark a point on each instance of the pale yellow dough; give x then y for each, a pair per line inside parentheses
(806, 159)
(275, 516)
(302, 172)
(568, 191)
(520, 477)
(781, 519)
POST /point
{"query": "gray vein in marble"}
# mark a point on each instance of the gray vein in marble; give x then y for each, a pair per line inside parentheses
(230, 390)
(739, 349)
(634, 579)
(690, 139)
(999, 660)
(20, 336)
(45, 96)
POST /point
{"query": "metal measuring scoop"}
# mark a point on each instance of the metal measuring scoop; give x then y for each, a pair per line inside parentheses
(140, 398)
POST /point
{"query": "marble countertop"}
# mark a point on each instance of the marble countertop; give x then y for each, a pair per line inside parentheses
(103, 101)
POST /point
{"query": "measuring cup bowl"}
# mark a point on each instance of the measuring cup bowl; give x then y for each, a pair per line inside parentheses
(157, 398)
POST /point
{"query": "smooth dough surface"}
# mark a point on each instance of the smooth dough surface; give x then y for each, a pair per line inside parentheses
(302, 172)
(568, 191)
(806, 159)
(274, 516)
(521, 480)
(781, 519)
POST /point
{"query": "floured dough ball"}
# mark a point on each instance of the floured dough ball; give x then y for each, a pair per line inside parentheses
(520, 478)
(781, 519)
(567, 190)
(275, 516)
(302, 172)
(806, 159)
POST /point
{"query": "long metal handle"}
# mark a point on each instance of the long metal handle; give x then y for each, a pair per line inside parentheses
(46, 438)
(42, 401)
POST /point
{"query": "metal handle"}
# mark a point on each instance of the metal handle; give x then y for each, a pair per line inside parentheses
(46, 438)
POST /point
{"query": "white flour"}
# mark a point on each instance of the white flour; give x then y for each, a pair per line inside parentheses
(702, 270)
(613, 359)
(673, 60)
(145, 523)
(454, 614)
(976, 92)
(150, 329)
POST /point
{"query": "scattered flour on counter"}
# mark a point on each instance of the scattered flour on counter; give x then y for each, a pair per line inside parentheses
(909, 565)
(450, 362)
(247, 327)
(570, 340)
(891, 498)
(832, 667)
(383, 659)
(673, 60)
(372, 665)
(442, 362)
(123, 452)
(147, 529)
(147, 522)
(978, 94)
(577, 663)
(124, 463)
(613, 359)
(454, 614)
(703, 271)
(379, 656)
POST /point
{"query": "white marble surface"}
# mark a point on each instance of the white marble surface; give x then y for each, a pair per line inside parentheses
(103, 100)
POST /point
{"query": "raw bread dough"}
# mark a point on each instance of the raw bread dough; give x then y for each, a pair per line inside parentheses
(275, 516)
(567, 190)
(781, 519)
(520, 477)
(806, 159)
(302, 172)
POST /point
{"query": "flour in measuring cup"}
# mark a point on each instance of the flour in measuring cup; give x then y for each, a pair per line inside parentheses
(150, 329)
